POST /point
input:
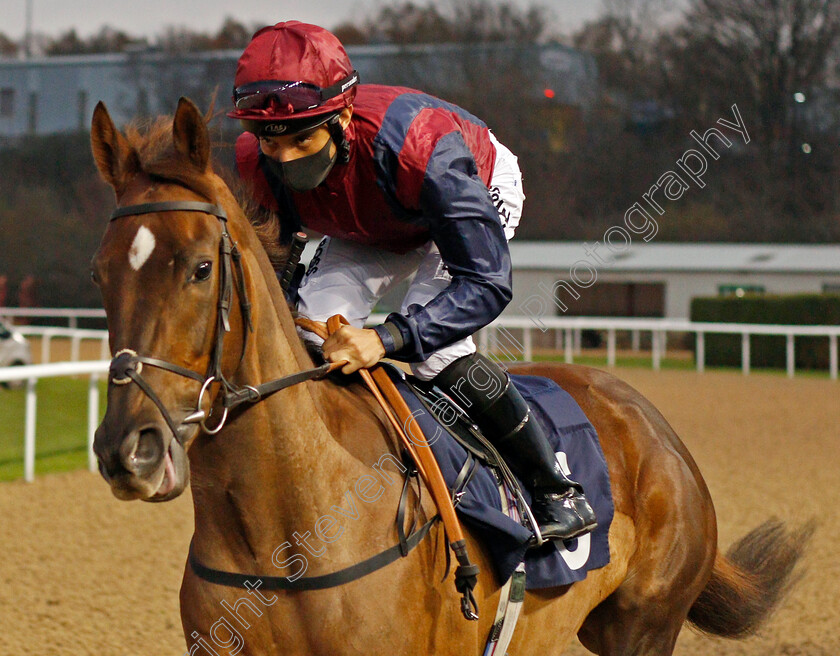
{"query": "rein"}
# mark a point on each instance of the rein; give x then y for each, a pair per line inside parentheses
(127, 365)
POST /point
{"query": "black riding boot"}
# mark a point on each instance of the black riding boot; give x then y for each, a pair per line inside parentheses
(483, 388)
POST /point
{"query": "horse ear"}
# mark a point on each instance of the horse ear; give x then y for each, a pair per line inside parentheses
(115, 158)
(189, 132)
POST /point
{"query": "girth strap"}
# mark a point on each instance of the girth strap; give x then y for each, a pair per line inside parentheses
(342, 576)
(464, 477)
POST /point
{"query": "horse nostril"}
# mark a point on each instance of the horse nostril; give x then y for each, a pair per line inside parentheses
(143, 450)
(149, 445)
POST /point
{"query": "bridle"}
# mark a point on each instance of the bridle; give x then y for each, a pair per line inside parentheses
(127, 365)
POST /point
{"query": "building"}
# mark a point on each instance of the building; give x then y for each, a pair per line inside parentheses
(649, 280)
(660, 279)
(50, 95)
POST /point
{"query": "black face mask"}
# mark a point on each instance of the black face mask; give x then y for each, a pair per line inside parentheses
(304, 173)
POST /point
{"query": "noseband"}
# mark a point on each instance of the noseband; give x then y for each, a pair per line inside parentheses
(126, 365)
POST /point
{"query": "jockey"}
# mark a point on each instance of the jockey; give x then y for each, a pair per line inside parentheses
(400, 183)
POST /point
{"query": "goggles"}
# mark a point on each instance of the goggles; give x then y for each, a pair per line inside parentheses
(299, 96)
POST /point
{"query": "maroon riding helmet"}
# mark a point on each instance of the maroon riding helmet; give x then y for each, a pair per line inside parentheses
(292, 76)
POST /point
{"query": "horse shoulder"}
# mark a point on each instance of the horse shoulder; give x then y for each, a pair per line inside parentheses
(354, 417)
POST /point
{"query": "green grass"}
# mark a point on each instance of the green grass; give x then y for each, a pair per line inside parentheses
(60, 430)
(622, 361)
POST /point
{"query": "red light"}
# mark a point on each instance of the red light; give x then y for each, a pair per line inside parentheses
(548, 93)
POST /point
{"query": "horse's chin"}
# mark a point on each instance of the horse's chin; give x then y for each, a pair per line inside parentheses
(175, 474)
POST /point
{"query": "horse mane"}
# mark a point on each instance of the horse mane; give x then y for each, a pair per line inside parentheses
(265, 222)
(152, 140)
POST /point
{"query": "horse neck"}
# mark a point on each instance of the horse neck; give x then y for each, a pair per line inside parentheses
(262, 478)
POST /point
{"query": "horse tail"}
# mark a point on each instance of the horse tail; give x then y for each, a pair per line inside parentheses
(748, 583)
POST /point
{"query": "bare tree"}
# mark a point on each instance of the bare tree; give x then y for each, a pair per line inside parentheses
(232, 34)
(765, 51)
(409, 23)
(476, 21)
(635, 23)
(106, 40)
(67, 43)
(461, 21)
(351, 34)
(625, 39)
(8, 48)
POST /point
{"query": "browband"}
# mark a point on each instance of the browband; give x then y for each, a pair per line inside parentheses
(170, 206)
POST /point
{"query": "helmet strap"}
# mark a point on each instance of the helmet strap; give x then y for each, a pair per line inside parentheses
(339, 139)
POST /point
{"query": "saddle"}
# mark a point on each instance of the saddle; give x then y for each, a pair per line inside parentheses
(480, 451)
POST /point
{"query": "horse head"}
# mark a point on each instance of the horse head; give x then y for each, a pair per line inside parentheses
(164, 270)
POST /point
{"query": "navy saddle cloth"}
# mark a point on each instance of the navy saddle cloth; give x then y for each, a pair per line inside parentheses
(576, 444)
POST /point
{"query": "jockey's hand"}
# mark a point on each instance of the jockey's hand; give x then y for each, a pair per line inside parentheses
(361, 347)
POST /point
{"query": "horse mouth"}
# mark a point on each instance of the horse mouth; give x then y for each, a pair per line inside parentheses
(168, 483)
(175, 474)
(162, 479)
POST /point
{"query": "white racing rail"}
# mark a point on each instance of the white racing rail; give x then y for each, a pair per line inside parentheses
(568, 337)
(567, 334)
(495, 337)
(75, 335)
(71, 314)
(31, 374)
(47, 333)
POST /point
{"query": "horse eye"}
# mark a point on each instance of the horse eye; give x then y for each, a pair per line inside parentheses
(93, 277)
(203, 271)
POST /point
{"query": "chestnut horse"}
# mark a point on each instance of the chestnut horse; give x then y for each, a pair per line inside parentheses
(286, 487)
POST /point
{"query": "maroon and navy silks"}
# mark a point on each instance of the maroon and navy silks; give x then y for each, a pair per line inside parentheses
(419, 170)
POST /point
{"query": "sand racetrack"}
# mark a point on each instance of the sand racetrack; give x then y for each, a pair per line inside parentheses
(83, 573)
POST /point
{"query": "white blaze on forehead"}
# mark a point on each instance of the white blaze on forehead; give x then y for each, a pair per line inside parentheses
(141, 248)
